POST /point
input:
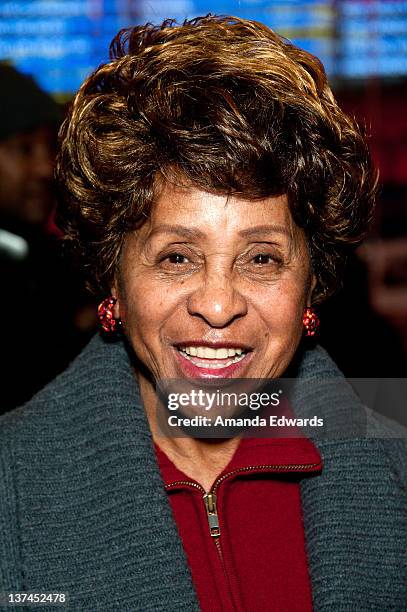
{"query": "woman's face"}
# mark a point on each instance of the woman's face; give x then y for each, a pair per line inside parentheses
(214, 286)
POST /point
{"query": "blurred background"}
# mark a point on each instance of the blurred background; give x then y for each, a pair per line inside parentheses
(46, 316)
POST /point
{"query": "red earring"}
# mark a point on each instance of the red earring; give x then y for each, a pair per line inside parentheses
(310, 321)
(105, 314)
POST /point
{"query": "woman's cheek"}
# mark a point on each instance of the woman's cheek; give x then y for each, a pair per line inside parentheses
(281, 305)
(145, 309)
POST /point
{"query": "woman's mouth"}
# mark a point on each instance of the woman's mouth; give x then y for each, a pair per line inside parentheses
(200, 361)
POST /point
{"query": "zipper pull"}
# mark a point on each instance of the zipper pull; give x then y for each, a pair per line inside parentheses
(212, 513)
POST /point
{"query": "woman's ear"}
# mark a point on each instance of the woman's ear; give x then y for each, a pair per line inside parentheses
(313, 284)
(114, 291)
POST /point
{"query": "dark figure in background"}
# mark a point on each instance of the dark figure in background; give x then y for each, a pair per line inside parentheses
(378, 351)
(40, 301)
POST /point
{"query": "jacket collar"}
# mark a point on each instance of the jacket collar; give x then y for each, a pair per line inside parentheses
(99, 393)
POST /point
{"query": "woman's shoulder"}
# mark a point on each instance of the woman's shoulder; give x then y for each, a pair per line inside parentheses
(79, 387)
(84, 407)
(50, 400)
(351, 427)
(79, 412)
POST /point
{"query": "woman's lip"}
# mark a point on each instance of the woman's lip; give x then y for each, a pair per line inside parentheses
(190, 370)
(214, 345)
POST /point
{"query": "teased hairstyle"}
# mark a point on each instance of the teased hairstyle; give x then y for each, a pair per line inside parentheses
(224, 104)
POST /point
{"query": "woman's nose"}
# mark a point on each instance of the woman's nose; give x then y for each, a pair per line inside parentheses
(217, 301)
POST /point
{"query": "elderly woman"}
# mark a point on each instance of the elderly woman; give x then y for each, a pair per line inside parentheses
(211, 187)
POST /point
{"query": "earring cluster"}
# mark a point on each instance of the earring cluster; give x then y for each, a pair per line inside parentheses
(107, 321)
(111, 325)
(310, 321)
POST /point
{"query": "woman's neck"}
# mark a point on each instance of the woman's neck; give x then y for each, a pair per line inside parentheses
(201, 459)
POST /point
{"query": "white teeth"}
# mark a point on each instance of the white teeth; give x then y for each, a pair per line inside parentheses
(208, 364)
(193, 353)
(210, 353)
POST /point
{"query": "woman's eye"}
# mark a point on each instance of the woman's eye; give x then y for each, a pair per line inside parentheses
(176, 258)
(264, 258)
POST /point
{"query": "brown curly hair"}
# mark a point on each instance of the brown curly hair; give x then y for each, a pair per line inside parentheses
(224, 104)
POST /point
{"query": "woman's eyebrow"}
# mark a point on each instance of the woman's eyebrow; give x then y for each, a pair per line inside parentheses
(181, 230)
(263, 229)
(193, 232)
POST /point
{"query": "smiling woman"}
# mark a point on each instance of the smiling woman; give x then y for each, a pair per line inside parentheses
(212, 188)
(230, 272)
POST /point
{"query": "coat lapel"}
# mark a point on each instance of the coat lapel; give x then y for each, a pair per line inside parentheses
(354, 513)
(96, 521)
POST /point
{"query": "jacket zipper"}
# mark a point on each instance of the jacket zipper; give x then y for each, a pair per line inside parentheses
(212, 514)
(210, 497)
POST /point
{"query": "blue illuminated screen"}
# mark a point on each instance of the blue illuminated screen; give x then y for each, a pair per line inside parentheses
(59, 42)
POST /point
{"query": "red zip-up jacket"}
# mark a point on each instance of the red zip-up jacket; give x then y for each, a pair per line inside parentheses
(244, 539)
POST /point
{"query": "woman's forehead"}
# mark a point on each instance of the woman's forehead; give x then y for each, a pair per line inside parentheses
(191, 210)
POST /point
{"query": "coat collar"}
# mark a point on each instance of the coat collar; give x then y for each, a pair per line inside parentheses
(96, 448)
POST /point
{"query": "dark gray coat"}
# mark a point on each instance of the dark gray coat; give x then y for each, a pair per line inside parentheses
(83, 508)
